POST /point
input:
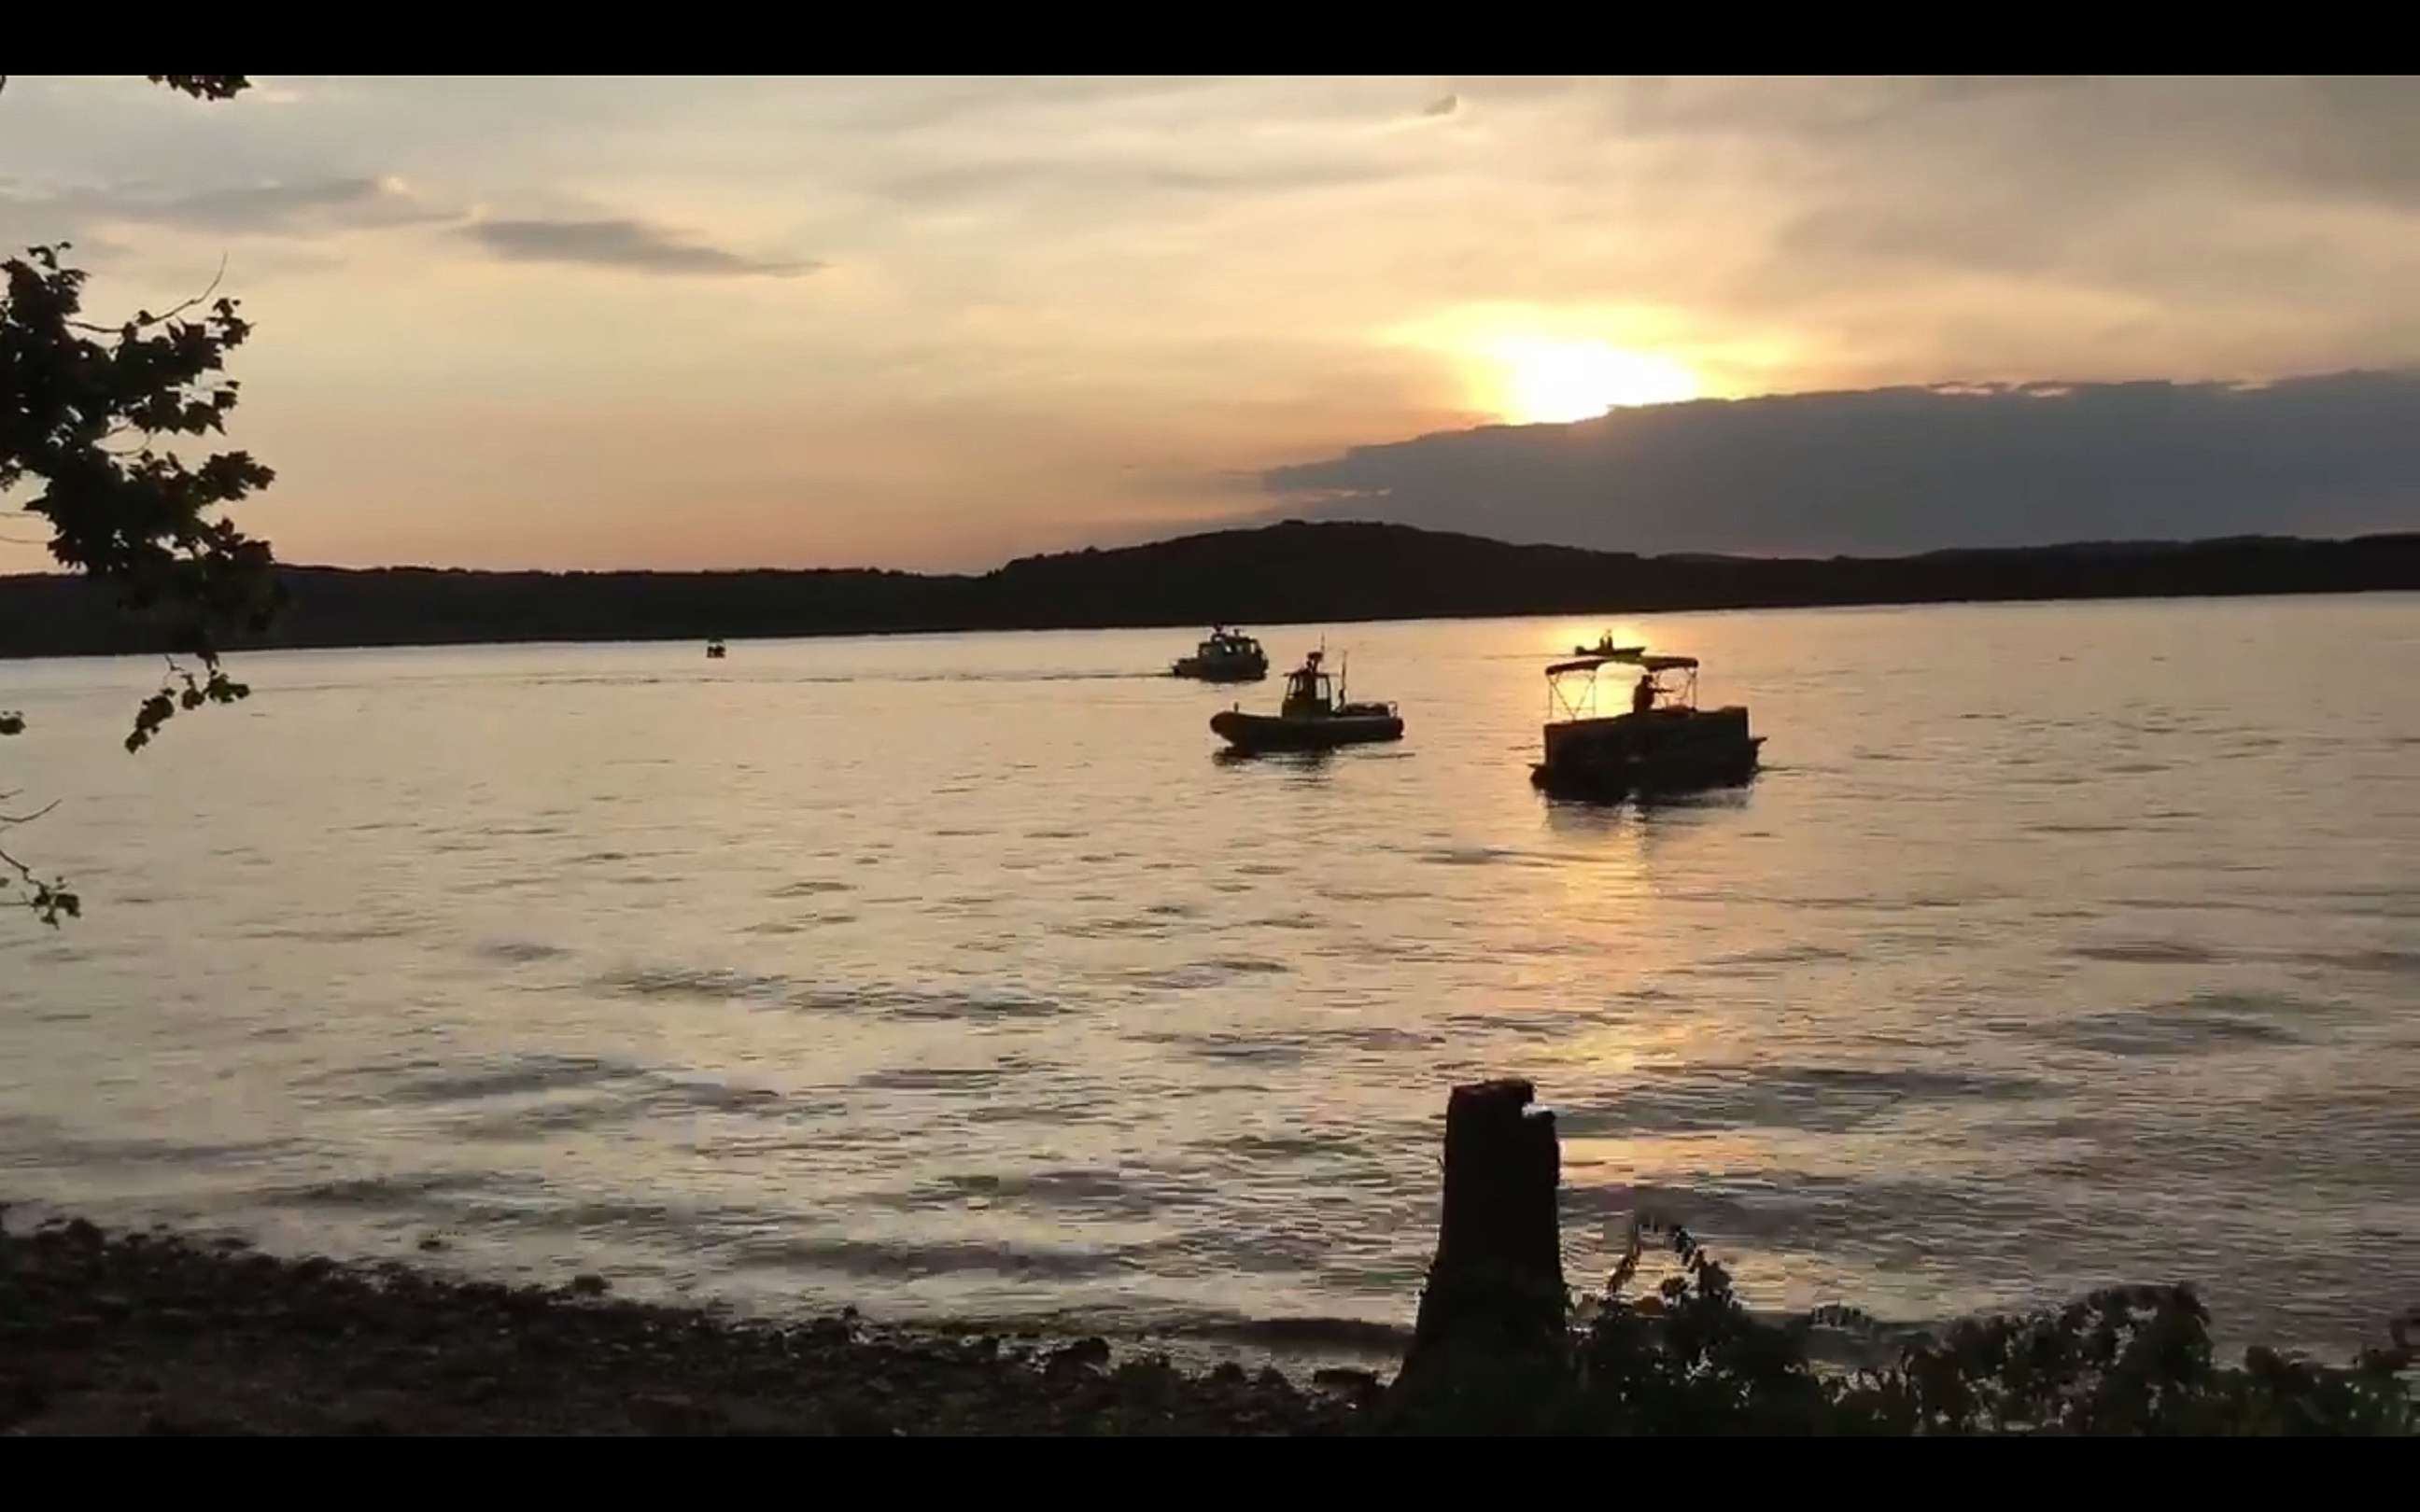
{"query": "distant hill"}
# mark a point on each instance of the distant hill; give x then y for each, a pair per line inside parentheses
(1294, 572)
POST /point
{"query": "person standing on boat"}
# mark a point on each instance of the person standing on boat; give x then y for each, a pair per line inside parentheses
(1642, 698)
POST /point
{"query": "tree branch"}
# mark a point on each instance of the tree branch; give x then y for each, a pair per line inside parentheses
(144, 321)
(10, 821)
(48, 900)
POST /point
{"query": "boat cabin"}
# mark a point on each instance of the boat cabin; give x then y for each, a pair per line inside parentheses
(1310, 690)
(1229, 645)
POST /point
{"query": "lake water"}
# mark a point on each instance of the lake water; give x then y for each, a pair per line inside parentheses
(952, 977)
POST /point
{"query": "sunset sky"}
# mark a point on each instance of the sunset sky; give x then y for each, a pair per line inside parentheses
(929, 323)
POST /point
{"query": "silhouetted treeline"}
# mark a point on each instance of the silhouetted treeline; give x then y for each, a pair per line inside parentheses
(1287, 573)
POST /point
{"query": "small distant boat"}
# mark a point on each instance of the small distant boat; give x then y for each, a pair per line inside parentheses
(1314, 715)
(1227, 657)
(1605, 647)
(714, 649)
(1665, 744)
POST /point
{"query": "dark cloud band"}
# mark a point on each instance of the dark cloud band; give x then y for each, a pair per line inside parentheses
(620, 243)
(1910, 470)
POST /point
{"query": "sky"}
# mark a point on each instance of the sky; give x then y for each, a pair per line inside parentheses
(936, 323)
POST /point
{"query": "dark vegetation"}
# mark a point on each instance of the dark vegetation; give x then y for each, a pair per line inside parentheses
(1688, 1358)
(90, 414)
(1293, 572)
(1495, 1349)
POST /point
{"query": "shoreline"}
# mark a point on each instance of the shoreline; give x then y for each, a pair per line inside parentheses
(157, 1331)
(641, 636)
(1268, 575)
(1298, 1343)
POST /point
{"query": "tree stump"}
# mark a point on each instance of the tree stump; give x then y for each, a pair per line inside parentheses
(1495, 1292)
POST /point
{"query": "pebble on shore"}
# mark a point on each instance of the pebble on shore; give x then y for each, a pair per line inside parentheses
(149, 1333)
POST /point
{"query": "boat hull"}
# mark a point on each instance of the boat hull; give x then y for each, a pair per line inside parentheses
(1209, 670)
(1270, 732)
(1667, 751)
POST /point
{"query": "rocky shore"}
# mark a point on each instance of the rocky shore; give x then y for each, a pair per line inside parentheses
(152, 1333)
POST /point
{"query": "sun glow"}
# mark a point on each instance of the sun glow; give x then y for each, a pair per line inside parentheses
(1552, 382)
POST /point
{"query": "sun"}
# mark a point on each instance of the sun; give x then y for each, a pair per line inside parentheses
(1554, 382)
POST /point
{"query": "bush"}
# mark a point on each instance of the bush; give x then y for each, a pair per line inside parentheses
(1688, 1358)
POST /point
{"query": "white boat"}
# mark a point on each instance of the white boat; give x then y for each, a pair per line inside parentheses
(1227, 657)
